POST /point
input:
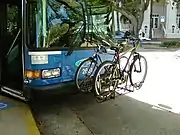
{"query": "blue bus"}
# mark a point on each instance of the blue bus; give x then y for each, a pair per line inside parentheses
(42, 43)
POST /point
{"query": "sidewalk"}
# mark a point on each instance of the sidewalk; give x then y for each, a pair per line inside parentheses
(161, 87)
(16, 118)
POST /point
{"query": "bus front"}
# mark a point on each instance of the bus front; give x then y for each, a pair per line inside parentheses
(55, 29)
(42, 43)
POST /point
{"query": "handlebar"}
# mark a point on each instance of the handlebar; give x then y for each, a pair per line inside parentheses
(100, 44)
(135, 41)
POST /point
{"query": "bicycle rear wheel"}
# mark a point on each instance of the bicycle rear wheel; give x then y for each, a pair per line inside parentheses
(84, 75)
(104, 80)
(139, 65)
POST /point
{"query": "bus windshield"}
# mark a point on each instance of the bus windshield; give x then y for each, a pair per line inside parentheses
(58, 24)
(55, 23)
(99, 24)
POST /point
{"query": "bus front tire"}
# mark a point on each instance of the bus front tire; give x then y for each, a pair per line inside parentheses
(29, 96)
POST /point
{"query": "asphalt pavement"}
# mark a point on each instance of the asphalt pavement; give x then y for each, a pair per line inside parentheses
(82, 115)
(153, 110)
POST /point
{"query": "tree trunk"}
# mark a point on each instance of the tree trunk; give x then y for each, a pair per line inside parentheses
(140, 19)
(117, 13)
(136, 20)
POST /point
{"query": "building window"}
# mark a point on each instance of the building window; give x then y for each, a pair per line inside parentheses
(155, 19)
(178, 20)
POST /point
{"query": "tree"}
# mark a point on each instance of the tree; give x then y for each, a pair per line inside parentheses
(131, 9)
(134, 11)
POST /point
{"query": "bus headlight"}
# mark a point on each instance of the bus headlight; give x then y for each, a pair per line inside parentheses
(51, 73)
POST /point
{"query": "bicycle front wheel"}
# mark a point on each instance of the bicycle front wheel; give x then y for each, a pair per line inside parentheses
(139, 66)
(105, 81)
(84, 75)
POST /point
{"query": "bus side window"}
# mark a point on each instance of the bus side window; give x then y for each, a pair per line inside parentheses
(31, 23)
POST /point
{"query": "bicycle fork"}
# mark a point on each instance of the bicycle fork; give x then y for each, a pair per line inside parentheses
(137, 57)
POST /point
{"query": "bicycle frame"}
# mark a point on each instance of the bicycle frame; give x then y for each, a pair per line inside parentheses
(133, 54)
(96, 56)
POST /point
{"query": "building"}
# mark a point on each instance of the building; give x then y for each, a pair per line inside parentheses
(166, 21)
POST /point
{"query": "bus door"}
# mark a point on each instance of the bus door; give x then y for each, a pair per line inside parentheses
(11, 44)
(2, 33)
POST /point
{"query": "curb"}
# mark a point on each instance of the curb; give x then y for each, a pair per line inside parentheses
(30, 121)
(155, 48)
(27, 115)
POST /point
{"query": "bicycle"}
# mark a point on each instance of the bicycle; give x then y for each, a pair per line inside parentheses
(84, 78)
(105, 84)
(89, 66)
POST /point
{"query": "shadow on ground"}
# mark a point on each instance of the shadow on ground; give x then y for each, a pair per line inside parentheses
(80, 114)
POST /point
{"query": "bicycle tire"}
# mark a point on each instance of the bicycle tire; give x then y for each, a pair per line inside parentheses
(91, 60)
(124, 67)
(128, 65)
(131, 70)
(97, 92)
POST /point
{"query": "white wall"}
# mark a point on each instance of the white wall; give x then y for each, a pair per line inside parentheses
(171, 14)
(146, 22)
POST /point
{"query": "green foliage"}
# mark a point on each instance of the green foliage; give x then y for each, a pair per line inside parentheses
(131, 6)
(12, 17)
(98, 2)
(56, 32)
(171, 44)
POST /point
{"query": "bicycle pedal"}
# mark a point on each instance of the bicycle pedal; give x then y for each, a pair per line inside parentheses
(113, 95)
(126, 89)
(129, 90)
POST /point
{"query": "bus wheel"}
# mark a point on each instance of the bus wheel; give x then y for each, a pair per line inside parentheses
(0, 89)
(29, 96)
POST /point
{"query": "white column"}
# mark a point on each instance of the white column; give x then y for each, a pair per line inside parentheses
(146, 21)
(115, 20)
(171, 16)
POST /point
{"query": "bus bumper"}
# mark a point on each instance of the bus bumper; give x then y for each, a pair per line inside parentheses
(55, 87)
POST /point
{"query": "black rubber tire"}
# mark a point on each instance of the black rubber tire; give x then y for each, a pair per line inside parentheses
(124, 57)
(91, 60)
(29, 96)
(131, 70)
(0, 90)
(96, 91)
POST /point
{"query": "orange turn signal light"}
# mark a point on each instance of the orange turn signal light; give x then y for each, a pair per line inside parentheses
(32, 74)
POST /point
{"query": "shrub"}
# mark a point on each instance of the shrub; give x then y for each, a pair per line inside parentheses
(170, 44)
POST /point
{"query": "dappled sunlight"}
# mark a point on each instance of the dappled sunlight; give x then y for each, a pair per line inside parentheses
(161, 87)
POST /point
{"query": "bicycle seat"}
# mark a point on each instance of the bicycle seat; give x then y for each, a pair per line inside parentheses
(105, 43)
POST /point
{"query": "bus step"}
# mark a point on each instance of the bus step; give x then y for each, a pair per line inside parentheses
(14, 93)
